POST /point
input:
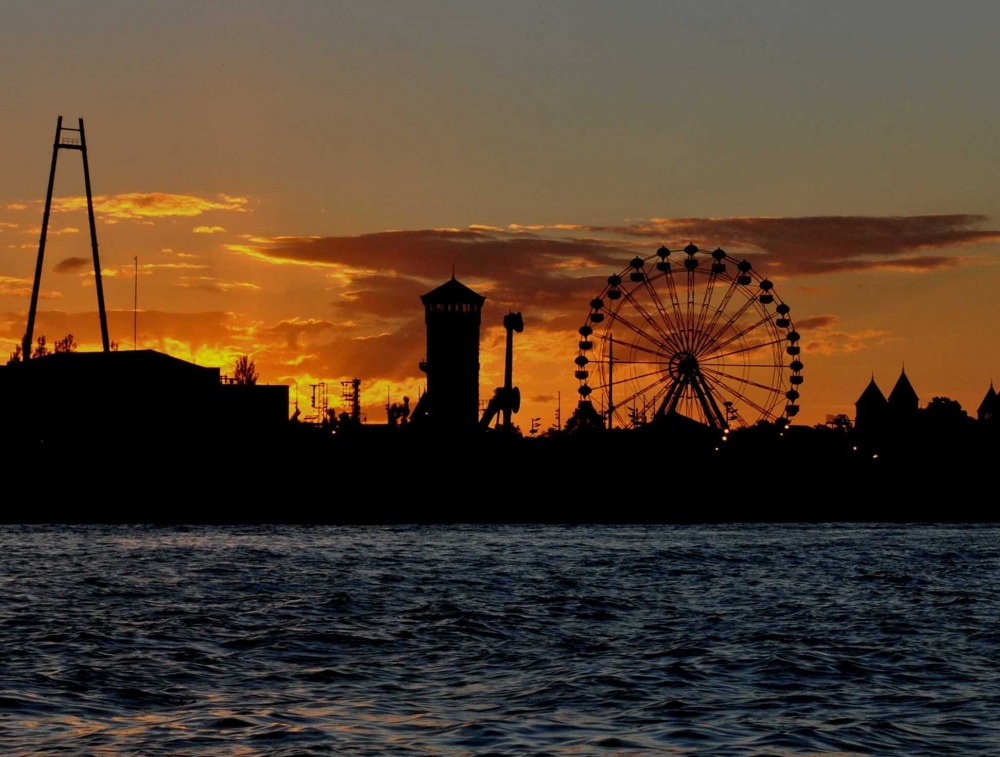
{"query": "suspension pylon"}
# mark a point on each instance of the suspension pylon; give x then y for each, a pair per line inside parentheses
(67, 139)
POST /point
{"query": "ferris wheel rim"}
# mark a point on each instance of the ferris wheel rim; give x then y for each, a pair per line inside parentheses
(689, 332)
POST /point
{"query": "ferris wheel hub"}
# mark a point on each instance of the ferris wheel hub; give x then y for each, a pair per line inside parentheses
(683, 365)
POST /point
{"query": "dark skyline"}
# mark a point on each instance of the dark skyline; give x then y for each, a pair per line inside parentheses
(292, 177)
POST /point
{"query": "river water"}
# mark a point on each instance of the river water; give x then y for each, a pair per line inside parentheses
(739, 640)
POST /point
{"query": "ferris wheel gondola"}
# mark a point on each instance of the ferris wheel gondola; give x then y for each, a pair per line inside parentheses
(698, 334)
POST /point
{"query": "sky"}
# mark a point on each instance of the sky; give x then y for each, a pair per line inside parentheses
(292, 176)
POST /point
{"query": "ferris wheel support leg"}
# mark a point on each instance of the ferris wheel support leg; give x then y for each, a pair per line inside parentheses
(673, 394)
(707, 402)
(717, 414)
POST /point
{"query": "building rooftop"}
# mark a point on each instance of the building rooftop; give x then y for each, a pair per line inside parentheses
(871, 396)
(903, 393)
(452, 292)
(145, 363)
(989, 401)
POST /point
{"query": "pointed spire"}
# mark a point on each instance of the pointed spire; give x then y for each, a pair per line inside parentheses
(872, 396)
(988, 406)
(903, 396)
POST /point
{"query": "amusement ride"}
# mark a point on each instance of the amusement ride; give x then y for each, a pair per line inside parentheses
(693, 333)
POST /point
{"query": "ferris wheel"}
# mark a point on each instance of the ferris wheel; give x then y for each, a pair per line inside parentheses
(694, 333)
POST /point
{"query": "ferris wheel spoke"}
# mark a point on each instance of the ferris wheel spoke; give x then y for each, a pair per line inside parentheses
(690, 310)
(751, 348)
(674, 299)
(703, 312)
(740, 396)
(628, 379)
(765, 387)
(632, 327)
(612, 340)
(655, 297)
(730, 291)
(650, 405)
(668, 339)
(746, 331)
(740, 365)
(630, 362)
(710, 340)
(662, 380)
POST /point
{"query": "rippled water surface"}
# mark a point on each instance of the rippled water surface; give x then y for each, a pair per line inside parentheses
(514, 640)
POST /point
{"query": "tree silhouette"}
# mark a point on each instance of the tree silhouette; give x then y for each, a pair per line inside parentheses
(945, 410)
(584, 418)
(15, 356)
(245, 372)
(40, 349)
(66, 344)
(945, 405)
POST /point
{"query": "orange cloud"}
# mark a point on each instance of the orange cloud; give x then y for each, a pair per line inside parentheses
(821, 338)
(139, 205)
(18, 287)
(207, 229)
(212, 284)
(17, 206)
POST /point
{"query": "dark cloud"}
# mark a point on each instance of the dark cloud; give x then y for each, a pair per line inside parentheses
(815, 322)
(431, 253)
(825, 244)
(72, 265)
(394, 356)
(522, 269)
(381, 296)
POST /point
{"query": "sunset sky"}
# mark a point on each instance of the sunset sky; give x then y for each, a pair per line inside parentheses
(293, 175)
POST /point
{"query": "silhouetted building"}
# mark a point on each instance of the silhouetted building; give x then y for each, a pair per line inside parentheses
(988, 407)
(871, 408)
(453, 314)
(133, 396)
(903, 400)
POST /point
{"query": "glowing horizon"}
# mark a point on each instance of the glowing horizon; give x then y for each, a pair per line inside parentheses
(293, 206)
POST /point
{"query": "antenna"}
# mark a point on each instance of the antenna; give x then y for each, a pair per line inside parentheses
(135, 305)
(74, 139)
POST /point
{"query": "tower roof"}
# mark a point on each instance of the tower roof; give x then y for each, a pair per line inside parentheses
(902, 392)
(452, 292)
(989, 401)
(871, 396)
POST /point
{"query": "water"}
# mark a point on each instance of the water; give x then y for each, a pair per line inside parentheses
(500, 640)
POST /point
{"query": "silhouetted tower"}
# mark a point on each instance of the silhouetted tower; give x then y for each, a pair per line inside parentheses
(871, 408)
(351, 394)
(903, 400)
(988, 407)
(67, 139)
(453, 314)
